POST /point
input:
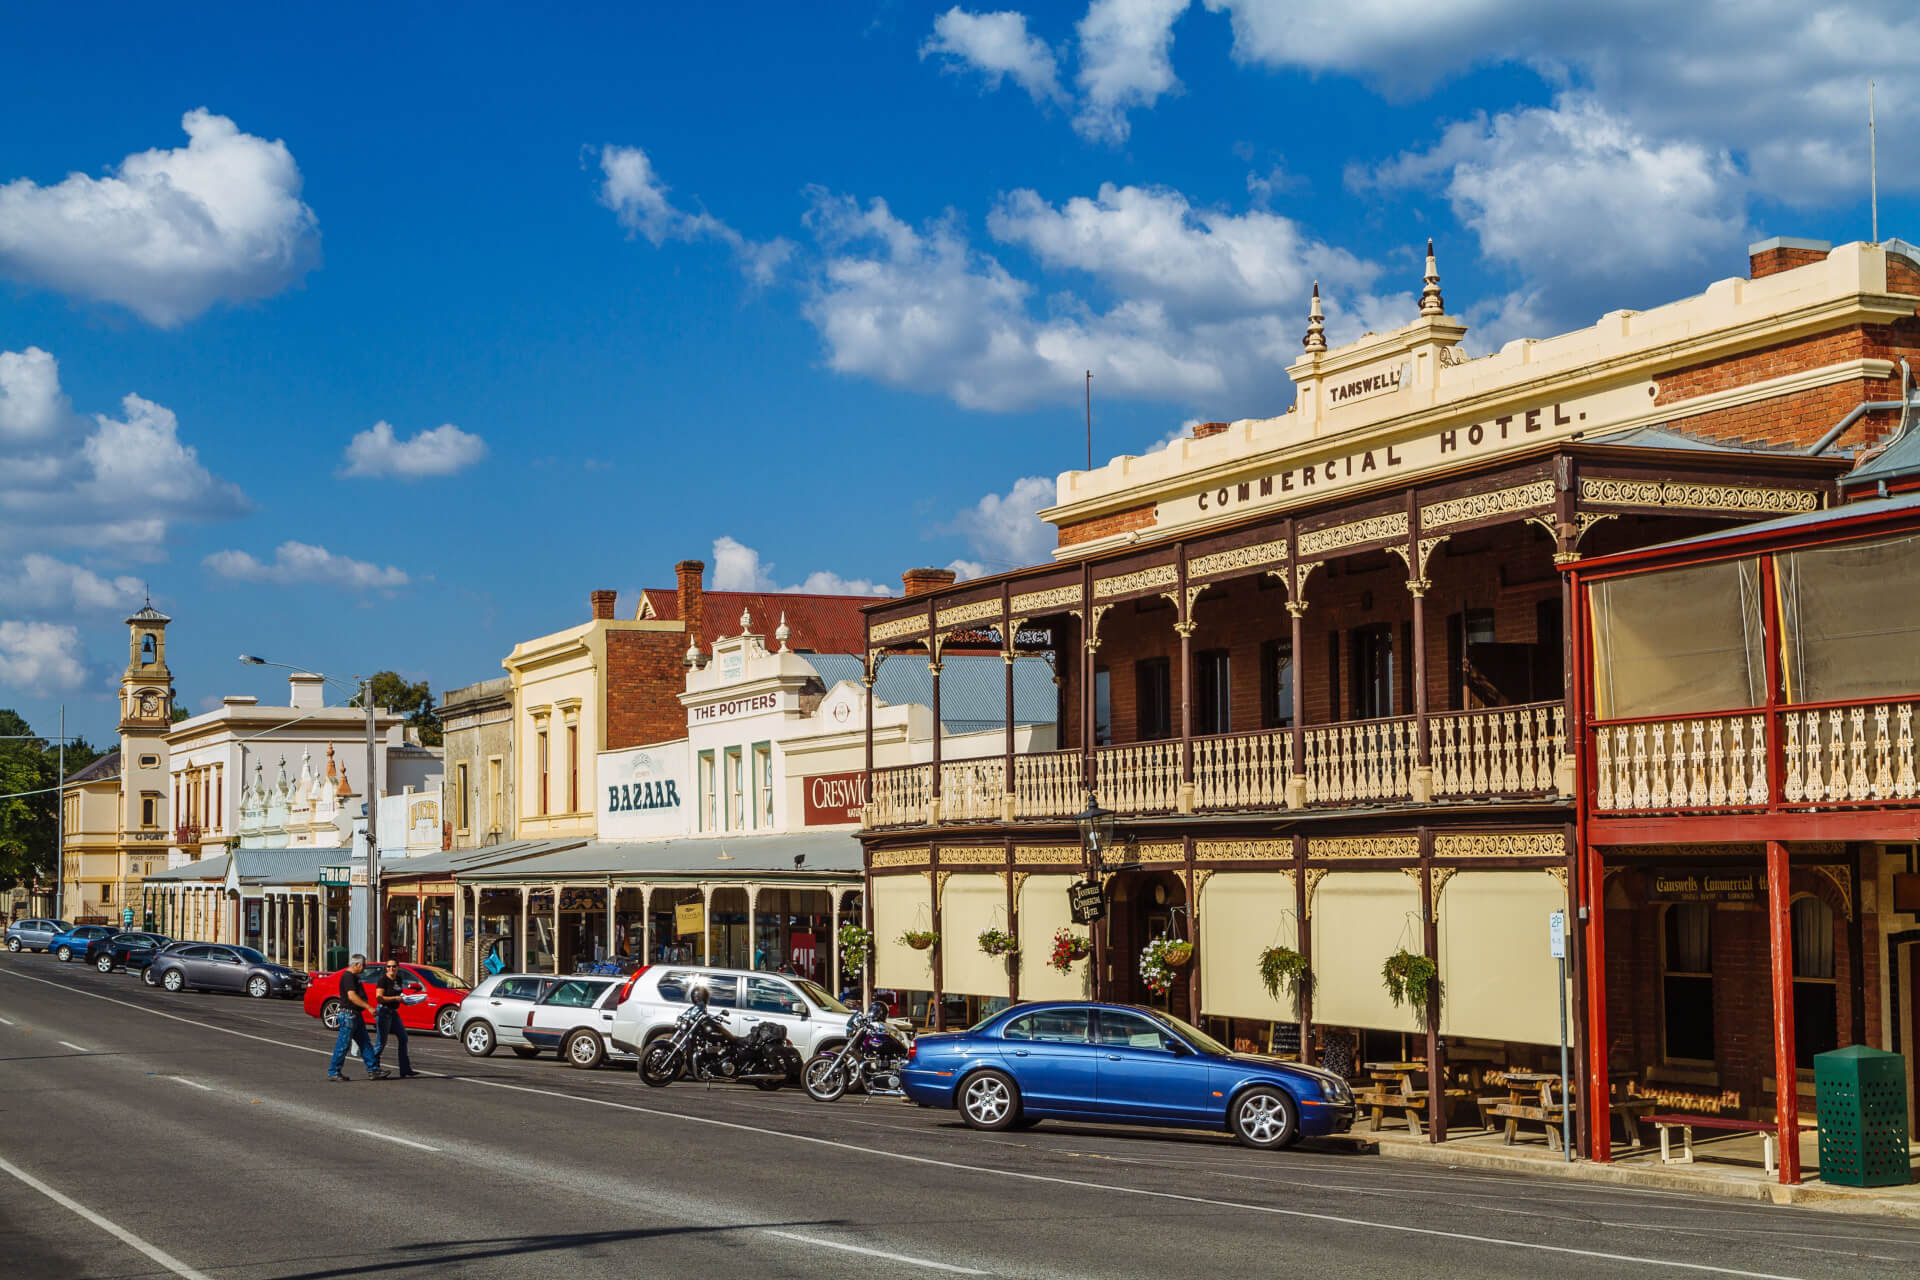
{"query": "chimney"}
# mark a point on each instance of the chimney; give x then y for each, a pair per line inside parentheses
(688, 574)
(1783, 253)
(917, 582)
(304, 691)
(1201, 430)
(602, 602)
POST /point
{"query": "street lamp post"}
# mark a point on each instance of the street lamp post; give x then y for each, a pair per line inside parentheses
(1096, 837)
(363, 685)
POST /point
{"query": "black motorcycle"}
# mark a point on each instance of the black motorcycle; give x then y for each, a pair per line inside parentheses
(700, 1046)
(870, 1060)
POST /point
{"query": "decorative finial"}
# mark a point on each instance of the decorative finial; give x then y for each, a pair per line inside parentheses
(1316, 339)
(781, 633)
(746, 622)
(1430, 301)
(693, 655)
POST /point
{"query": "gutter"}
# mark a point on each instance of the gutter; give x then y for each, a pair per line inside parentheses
(1905, 404)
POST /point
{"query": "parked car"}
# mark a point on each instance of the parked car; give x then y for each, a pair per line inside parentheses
(654, 996)
(573, 1018)
(495, 1013)
(144, 961)
(73, 942)
(1120, 1064)
(35, 933)
(210, 966)
(440, 992)
(119, 950)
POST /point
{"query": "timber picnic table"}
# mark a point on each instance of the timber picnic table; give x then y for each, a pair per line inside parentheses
(1529, 1097)
(1397, 1087)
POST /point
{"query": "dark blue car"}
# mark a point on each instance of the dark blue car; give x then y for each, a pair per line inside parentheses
(1120, 1064)
(73, 944)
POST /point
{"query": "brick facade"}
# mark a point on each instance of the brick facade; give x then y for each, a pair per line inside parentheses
(646, 670)
(1105, 526)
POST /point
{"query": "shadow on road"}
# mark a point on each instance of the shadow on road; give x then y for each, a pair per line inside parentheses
(447, 1253)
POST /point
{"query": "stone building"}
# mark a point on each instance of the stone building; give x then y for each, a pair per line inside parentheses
(477, 746)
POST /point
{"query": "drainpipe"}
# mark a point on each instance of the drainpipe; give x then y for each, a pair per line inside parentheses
(1905, 404)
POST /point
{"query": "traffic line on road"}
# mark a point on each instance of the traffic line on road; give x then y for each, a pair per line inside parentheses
(6, 1022)
(878, 1253)
(68, 1044)
(191, 1084)
(113, 1229)
(387, 1137)
(1147, 1193)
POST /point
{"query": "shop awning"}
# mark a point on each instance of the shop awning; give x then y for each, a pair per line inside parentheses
(800, 854)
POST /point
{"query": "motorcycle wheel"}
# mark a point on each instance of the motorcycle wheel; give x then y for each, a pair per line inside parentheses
(822, 1079)
(659, 1066)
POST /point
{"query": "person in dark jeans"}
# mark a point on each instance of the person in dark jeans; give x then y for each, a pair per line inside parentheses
(353, 1024)
(390, 995)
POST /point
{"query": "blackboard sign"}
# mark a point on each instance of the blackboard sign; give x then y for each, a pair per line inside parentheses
(1087, 902)
(1284, 1037)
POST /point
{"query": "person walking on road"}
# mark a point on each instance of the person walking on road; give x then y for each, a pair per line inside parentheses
(391, 994)
(353, 1024)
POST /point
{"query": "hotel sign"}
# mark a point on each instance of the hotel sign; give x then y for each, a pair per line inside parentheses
(1324, 473)
(1705, 885)
(1367, 382)
(833, 799)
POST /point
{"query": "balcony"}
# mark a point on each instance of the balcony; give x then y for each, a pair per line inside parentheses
(1511, 752)
(186, 834)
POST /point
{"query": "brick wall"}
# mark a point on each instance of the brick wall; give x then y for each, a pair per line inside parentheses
(1106, 526)
(1782, 258)
(646, 673)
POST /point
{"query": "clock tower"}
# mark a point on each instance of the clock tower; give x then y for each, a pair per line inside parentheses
(146, 718)
(146, 690)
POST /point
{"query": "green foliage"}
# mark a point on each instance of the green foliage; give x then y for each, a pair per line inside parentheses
(919, 939)
(1284, 969)
(1413, 982)
(856, 944)
(998, 942)
(412, 699)
(29, 822)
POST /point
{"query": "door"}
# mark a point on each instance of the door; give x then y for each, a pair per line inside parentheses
(1050, 1055)
(1144, 1073)
(567, 1005)
(508, 1005)
(419, 1015)
(221, 971)
(771, 1000)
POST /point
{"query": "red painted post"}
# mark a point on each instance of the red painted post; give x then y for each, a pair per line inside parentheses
(1786, 1086)
(1599, 1134)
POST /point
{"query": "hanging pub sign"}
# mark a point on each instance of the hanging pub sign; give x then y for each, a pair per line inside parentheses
(1087, 902)
(1705, 884)
(688, 918)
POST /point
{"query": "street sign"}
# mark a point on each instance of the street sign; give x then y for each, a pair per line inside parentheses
(1087, 901)
(1557, 934)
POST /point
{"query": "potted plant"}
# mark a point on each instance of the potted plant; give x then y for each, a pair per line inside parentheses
(1411, 982)
(1068, 947)
(856, 944)
(1157, 964)
(998, 942)
(1284, 969)
(919, 939)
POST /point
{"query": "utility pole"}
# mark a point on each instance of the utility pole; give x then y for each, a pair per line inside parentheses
(60, 822)
(1089, 419)
(374, 912)
(1873, 167)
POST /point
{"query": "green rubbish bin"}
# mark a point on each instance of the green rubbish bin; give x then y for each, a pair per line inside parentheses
(1861, 1095)
(336, 958)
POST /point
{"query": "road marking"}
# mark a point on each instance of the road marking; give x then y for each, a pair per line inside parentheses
(6, 1021)
(878, 1253)
(191, 1084)
(1393, 1227)
(118, 1232)
(76, 1048)
(387, 1137)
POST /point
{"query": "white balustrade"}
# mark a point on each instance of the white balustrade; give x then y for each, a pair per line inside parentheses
(900, 795)
(1690, 762)
(1858, 753)
(1046, 784)
(1242, 770)
(970, 790)
(1361, 760)
(1497, 751)
(1140, 777)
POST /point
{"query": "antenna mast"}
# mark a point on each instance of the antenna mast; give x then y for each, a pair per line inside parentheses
(1873, 167)
(1090, 415)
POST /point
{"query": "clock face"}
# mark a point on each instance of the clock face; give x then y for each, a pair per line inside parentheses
(149, 705)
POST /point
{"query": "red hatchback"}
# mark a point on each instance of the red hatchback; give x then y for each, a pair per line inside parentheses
(433, 1003)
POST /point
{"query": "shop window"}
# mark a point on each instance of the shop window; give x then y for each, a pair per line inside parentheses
(1276, 684)
(1850, 620)
(1816, 998)
(1679, 641)
(1371, 649)
(1102, 708)
(763, 786)
(1213, 692)
(707, 792)
(1153, 699)
(1687, 982)
(736, 809)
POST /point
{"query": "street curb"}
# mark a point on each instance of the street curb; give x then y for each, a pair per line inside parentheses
(1814, 1196)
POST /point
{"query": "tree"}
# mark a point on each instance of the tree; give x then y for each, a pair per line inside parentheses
(413, 699)
(29, 814)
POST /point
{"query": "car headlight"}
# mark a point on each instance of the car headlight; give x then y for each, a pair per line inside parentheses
(1334, 1089)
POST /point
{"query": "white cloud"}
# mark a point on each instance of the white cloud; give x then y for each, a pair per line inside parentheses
(1125, 62)
(31, 406)
(738, 567)
(166, 234)
(1004, 529)
(997, 45)
(42, 583)
(443, 451)
(42, 658)
(301, 562)
(638, 198)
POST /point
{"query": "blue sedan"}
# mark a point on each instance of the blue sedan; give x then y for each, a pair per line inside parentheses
(1120, 1064)
(75, 941)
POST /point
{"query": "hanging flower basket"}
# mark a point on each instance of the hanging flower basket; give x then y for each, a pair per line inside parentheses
(998, 942)
(1284, 969)
(1068, 947)
(1157, 965)
(856, 944)
(920, 939)
(1412, 981)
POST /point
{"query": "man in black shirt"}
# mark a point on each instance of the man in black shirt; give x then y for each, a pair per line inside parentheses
(391, 994)
(354, 1007)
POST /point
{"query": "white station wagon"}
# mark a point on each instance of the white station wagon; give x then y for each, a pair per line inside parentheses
(660, 993)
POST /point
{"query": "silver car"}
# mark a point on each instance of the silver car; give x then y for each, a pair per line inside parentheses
(495, 1013)
(36, 933)
(574, 1019)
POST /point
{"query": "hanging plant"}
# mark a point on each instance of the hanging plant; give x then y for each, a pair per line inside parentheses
(1068, 947)
(1157, 963)
(856, 944)
(998, 942)
(1284, 969)
(919, 939)
(1411, 980)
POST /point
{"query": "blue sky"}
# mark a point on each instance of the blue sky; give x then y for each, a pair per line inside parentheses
(803, 291)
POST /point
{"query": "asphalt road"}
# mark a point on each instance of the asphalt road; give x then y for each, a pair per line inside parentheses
(143, 1134)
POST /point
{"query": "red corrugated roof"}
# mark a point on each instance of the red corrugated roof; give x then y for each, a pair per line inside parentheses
(818, 624)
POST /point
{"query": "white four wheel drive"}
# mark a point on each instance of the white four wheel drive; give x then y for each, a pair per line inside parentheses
(812, 1018)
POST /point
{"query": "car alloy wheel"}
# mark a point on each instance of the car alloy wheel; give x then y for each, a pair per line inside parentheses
(258, 987)
(988, 1101)
(1263, 1118)
(104, 964)
(330, 1015)
(66, 954)
(173, 980)
(13, 944)
(478, 1039)
(583, 1050)
(444, 1023)
(146, 976)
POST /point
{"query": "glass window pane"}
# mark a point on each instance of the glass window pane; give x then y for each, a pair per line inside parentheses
(1052, 1026)
(1129, 1030)
(1812, 938)
(1680, 641)
(1851, 620)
